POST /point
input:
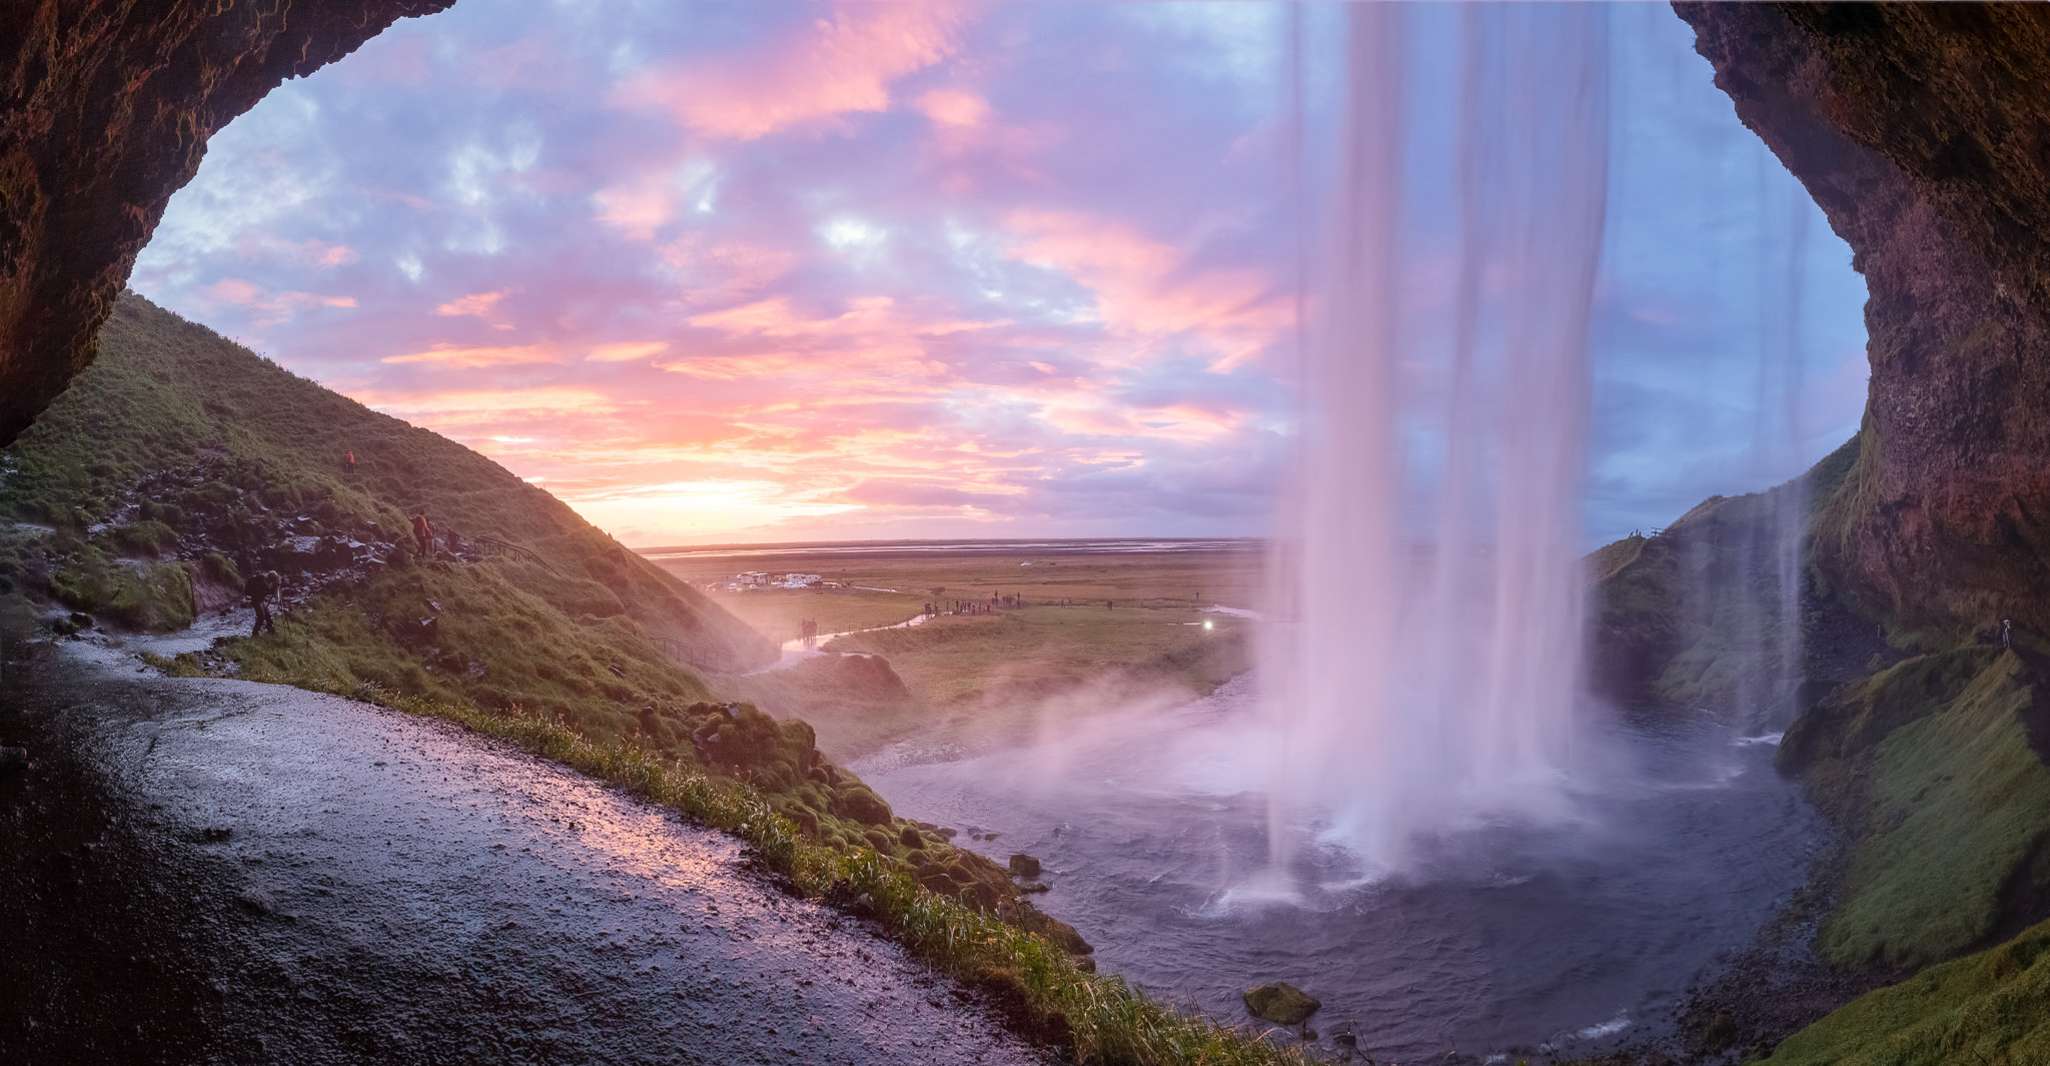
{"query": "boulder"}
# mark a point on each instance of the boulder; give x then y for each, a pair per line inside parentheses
(1281, 1003)
(1025, 866)
(862, 805)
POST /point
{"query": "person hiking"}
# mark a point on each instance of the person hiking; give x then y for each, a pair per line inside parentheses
(423, 533)
(260, 587)
(349, 462)
(2007, 632)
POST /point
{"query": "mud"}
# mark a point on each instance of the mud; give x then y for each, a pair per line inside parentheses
(221, 871)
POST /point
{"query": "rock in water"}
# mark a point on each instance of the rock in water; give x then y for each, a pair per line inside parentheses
(1025, 866)
(1281, 1003)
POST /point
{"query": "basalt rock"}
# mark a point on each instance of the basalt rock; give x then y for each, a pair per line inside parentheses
(105, 110)
(1281, 1003)
(1923, 131)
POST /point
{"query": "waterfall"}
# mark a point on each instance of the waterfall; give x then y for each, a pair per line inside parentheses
(1778, 536)
(1426, 574)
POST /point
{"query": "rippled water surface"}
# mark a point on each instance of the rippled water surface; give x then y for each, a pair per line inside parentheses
(1503, 936)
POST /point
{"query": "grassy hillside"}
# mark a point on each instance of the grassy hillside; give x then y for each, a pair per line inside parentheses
(1930, 766)
(181, 430)
(179, 461)
(1692, 616)
(1992, 1008)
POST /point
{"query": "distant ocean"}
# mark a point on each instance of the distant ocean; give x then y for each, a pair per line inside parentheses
(1133, 546)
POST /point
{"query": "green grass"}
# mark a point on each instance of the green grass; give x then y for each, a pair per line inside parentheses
(776, 613)
(494, 642)
(1034, 650)
(1956, 807)
(152, 597)
(1991, 1008)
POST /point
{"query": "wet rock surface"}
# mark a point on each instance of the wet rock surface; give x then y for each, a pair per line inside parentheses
(105, 109)
(1923, 133)
(223, 871)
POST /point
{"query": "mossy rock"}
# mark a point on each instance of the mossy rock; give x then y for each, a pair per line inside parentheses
(860, 803)
(1281, 1003)
(1025, 866)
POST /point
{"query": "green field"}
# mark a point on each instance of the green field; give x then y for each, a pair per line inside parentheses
(1091, 629)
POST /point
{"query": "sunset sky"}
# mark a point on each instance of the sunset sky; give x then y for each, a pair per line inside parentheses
(778, 271)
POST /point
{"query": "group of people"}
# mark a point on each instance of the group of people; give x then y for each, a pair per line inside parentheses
(997, 601)
(808, 631)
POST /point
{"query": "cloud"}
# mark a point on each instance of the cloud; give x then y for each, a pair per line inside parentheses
(463, 408)
(1148, 289)
(626, 351)
(266, 307)
(479, 304)
(954, 107)
(459, 357)
(841, 64)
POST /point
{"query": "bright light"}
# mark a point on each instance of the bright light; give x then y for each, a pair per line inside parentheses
(846, 233)
(1209, 624)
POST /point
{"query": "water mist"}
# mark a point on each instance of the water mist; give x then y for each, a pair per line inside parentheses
(1423, 668)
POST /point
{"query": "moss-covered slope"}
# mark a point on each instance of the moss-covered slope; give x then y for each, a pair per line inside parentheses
(1929, 765)
(1991, 1008)
(189, 430)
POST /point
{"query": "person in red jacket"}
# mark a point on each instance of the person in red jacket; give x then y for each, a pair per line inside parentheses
(424, 535)
(349, 462)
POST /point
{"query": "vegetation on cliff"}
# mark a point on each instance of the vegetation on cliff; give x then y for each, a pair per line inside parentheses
(1987, 1007)
(1930, 766)
(1692, 616)
(1925, 744)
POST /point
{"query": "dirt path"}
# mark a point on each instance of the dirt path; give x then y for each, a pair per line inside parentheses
(305, 878)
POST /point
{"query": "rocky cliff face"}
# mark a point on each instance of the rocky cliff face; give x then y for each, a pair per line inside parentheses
(105, 109)
(1923, 131)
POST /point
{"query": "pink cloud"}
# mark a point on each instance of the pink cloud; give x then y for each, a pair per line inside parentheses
(1144, 287)
(472, 358)
(725, 271)
(268, 308)
(954, 107)
(626, 351)
(842, 64)
(446, 408)
(639, 207)
(478, 304)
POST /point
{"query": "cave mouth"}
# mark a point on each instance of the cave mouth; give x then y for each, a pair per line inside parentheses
(510, 268)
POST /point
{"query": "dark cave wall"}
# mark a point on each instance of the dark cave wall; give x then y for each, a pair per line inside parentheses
(1923, 131)
(105, 109)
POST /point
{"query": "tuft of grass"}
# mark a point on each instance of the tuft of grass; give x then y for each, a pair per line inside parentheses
(1101, 1019)
(153, 597)
(1983, 1008)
